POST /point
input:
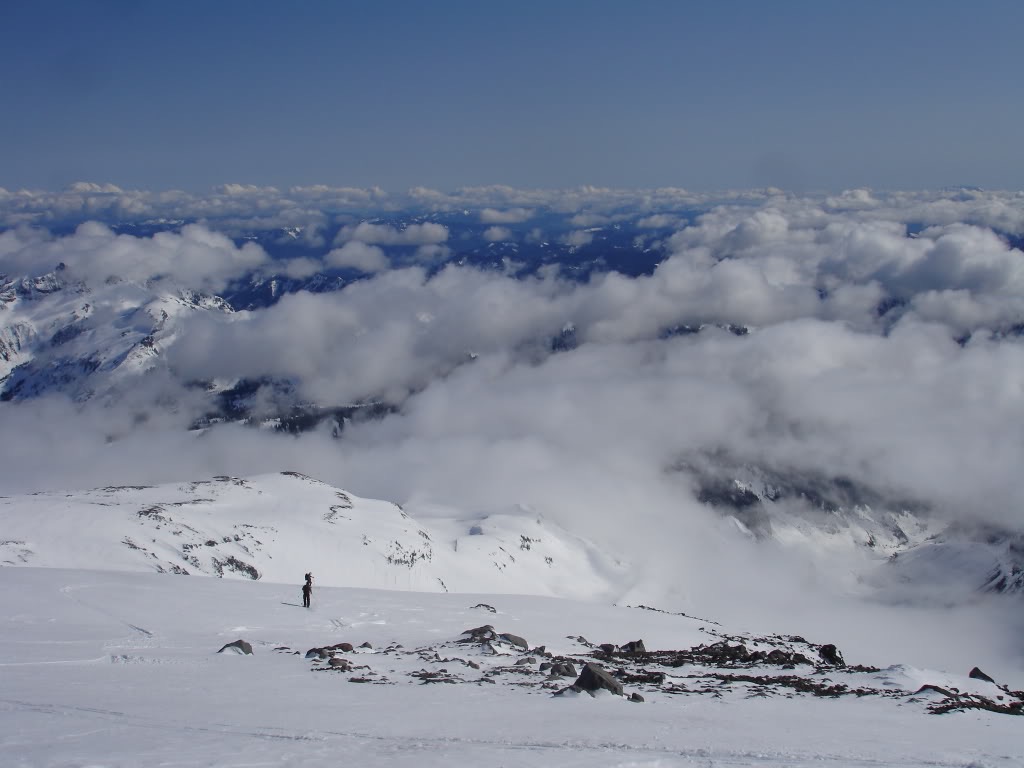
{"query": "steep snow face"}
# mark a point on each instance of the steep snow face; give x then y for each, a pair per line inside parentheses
(277, 527)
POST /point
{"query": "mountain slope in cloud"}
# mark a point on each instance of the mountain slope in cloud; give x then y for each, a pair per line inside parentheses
(61, 335)
(277, 527)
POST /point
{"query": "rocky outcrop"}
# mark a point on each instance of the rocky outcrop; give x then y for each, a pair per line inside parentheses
(240, 647)
(595, 678)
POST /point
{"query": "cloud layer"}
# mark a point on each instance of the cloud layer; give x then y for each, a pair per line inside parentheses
(865, 336)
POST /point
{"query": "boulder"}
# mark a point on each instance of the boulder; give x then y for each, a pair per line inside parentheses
(515, 640)
(594, 677)
(344, 647)
(633, 646)
(831, 655)
(564, 669)
(239, 646)
(479, 634)
(608, 648)
(977, 674)
(636, 697)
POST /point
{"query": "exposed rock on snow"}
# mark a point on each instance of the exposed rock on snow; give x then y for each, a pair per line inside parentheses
(240, 647)
(594, 678)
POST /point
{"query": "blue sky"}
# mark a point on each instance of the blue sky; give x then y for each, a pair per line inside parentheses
(707, 96)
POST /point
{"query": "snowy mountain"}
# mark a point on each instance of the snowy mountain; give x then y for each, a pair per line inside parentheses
(436, 639)
(66, 336)
(276, 527)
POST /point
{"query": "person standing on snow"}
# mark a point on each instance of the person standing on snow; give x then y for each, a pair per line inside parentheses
(307, 590)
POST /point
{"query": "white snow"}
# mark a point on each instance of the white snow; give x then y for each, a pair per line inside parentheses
(104, 662)
(120, 669)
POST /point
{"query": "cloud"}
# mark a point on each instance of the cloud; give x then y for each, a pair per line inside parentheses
(195, 258)
(578, 238)
(658, 221)
(510, 216)
(384, 234)
(301, 267)
(358, 255)
(869, 336)
(497, 234)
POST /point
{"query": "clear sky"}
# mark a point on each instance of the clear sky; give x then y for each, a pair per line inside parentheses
(709, 95)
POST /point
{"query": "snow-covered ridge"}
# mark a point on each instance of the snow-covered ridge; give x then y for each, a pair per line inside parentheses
(59, 335)
(276, 527)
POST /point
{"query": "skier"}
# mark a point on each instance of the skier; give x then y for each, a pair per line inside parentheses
(307, 590)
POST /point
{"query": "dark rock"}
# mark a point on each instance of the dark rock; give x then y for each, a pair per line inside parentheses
(545, 666)
(526, 660)
(317, 653)
(594, 677)
(633, 646)
(339, 663)
(831, 655)
(938, 689)
(607, 648)
(514, 640)
(239, 646)
(344, 647)
(479, 634)
(977, 674)
(486, 607)
(366, 645)
(472, 664)
(636, 697)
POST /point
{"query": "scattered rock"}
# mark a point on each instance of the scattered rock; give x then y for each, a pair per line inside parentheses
(563, 669)
(339, 663)
(239, 646)
(636, 697)
(831, 655)
(479, 634)
(514, 640)
(977, 674)
(594, 677)
(938, 689)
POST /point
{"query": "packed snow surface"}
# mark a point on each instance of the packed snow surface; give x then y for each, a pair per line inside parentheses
(122, 669)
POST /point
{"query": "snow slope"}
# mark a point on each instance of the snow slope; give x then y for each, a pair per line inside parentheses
(121, 669)
(278, 526)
